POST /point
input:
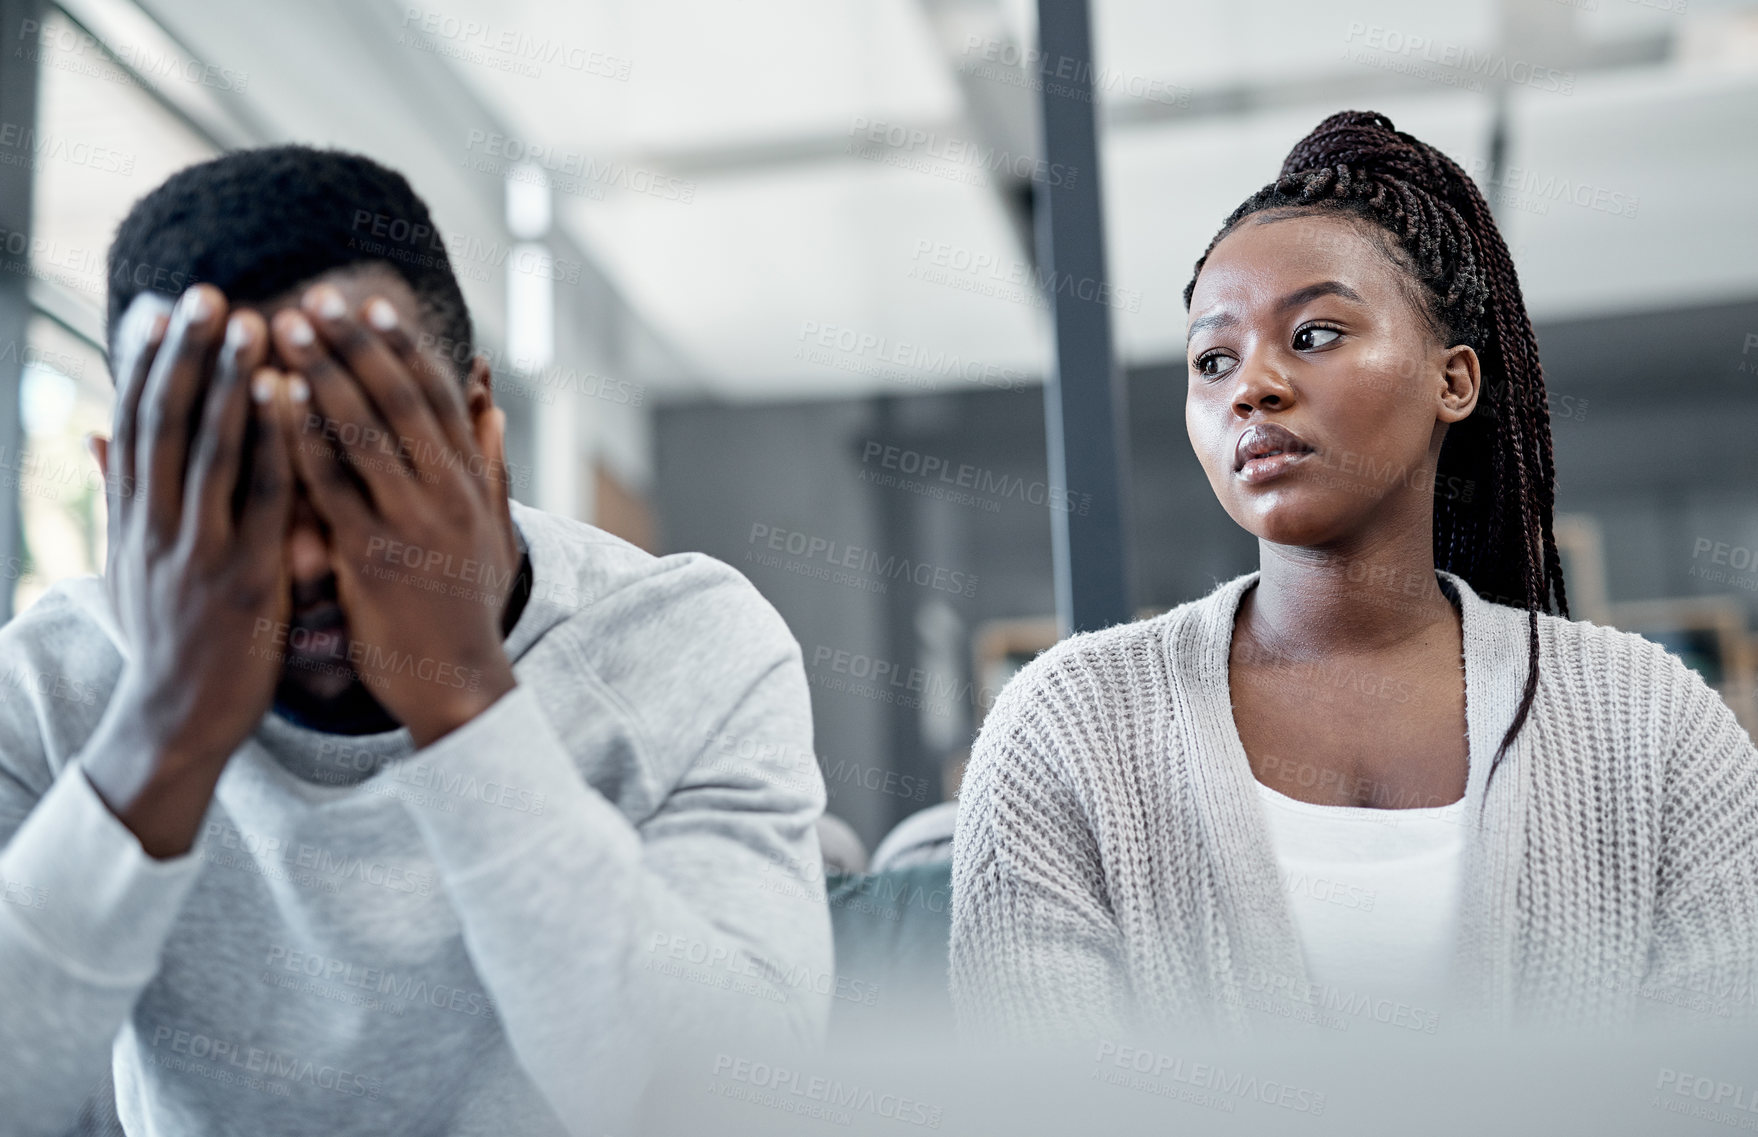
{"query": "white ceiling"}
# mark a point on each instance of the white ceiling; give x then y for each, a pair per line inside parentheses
(802, 264)
(786, 236)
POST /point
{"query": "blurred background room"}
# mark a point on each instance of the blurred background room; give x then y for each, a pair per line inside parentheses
(762, 280)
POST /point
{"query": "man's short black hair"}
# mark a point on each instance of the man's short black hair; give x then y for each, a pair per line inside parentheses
(258, 223)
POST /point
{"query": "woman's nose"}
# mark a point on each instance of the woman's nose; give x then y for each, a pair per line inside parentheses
(1259, 385)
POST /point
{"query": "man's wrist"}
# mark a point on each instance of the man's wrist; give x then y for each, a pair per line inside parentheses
(158, 792)
(441, 716)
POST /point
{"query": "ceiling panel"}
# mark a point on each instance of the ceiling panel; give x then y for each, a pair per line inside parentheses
(829, 279)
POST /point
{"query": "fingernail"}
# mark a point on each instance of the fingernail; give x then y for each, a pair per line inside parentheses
(137, 324)
(297, 389)
(196, 305)
(380, 314)
(330, 304)
(237, 333)
(262, 386)
(299, 332)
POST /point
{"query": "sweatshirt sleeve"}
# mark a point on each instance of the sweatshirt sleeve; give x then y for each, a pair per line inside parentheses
(84, 916)
(1705, 951)
(1036, 951)
(607, 941)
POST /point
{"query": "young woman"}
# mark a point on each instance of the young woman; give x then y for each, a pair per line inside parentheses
(1348, 785)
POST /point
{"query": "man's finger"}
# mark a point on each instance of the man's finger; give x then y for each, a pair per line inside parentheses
(137, 343)
(443, 392)
(338, 418)
(219, 450)
(172, 388)
(268, 496)
(335, 494)
(395, 393)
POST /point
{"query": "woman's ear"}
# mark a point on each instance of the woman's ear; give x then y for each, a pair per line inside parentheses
(1461, 382)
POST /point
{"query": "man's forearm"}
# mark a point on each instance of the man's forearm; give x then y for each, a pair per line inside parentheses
(74, 961)
(570, 926)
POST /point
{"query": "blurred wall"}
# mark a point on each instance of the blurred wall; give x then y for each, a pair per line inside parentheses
(890, 658)
(1655, 421)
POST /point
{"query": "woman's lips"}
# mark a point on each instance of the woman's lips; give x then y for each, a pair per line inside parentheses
(1267, 450)
(1271, 466)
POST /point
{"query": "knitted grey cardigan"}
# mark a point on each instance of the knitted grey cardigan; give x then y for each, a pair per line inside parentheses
(1112, 868)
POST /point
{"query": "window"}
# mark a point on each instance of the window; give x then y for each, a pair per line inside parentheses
(102, 139)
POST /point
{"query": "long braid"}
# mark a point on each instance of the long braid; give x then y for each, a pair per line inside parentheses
(1497, 534)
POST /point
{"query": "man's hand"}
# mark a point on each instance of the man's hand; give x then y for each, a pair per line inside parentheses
(196, 568)
(414, 499)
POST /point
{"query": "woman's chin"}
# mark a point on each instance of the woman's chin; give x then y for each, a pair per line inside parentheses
(1295, 520)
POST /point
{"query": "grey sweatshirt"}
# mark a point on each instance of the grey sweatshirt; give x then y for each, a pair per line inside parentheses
(499, 934)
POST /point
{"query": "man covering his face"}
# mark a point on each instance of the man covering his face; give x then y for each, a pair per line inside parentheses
(402, 807)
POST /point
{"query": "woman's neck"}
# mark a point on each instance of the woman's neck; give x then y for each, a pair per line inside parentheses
(1311, 603)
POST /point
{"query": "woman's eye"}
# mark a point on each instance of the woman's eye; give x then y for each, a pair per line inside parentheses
(1308, 338)
(1212, 366)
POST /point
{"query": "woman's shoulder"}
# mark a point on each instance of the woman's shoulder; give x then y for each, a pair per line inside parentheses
(1596, 658)
(1097, 681)
(1627, 681)
(1610, 659)
(1117, 652)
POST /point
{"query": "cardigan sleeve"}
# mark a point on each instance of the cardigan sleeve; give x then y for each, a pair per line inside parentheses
(1036, 950)
(1705, 950)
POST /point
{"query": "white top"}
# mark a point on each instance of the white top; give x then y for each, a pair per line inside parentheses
(1374, 894)
(1107, 869)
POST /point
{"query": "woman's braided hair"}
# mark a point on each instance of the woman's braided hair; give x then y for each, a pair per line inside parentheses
(1497, 533)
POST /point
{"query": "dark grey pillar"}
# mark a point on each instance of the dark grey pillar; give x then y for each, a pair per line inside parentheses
(19, 20)
(1085, 410)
